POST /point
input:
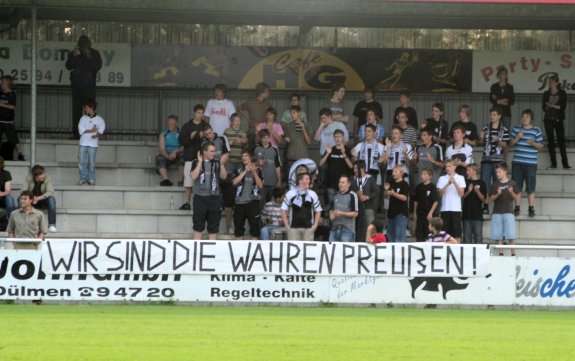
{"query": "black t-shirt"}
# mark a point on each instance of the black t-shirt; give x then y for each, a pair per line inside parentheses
(425, 196)
(191, 146)
(439, 128)
(397, 207)
(301, 215)
(5, 176)
(361, 109)
(411, 116)
(470, 130)
(472, 205)
(337, 166)
(8, 98)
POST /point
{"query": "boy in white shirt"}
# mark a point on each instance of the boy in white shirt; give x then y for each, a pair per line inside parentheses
(90, 127)
(459, 151)
(451, 188)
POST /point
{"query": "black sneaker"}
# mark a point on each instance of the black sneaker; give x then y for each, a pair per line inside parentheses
(517, 211)
(166, 183)
(552, 166)
(21, 157)
(564, 167)
(185, 207)
(531, 212)
(485, 209)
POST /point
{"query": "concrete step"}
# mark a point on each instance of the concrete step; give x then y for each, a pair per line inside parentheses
(171, 198)
(140, 175)
(546, 229)
(105, 197)
(144, 152)
(107, 174)
(59, 150)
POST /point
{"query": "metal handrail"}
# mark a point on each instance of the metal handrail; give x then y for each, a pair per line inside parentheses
(533, 246)
(4, 240)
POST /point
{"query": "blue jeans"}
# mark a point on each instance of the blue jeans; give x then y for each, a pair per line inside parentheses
(266, 230)
(87, 162)
(9, 205)
(50, 204)
(488, 174)
(341, 234)
(472, 231)
(396, 228)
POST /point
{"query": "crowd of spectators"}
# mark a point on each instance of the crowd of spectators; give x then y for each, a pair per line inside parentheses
(407, 175)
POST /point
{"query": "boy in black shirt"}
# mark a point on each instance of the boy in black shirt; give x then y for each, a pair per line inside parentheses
(337, 160)
(398, 192)
(190, 138)
(425, 204)
(473, 199)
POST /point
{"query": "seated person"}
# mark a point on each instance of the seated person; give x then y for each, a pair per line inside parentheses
(436, 234)
(271, 216)
(40, 184)
(6, 199)
(170, 152)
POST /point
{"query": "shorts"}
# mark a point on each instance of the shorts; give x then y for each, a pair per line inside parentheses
(250, 212)
(452, 223)
(162, 162)
(207, 209)
(524, 173)
(502, 227)
(187, 176)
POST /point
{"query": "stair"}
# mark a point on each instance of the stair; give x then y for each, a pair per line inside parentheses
(128, 202)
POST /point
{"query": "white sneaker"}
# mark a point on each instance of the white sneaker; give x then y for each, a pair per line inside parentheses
(92, 182)
(52, 229)
(81, 182)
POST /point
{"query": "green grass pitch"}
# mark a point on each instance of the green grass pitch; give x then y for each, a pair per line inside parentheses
(154, 332)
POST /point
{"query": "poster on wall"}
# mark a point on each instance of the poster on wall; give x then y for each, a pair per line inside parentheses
(528, 71)
(389, 70)
(15, 60)
(545, 281)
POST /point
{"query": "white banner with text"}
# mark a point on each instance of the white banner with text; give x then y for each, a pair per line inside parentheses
(16, 60)
(22, 278)
(528, 71)
(121, 256)
(510, 281)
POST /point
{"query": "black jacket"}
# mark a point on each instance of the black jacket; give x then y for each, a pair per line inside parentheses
(83, 69)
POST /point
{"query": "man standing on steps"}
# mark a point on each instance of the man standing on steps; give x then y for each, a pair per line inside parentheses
(219, 110)
(206, 175)
(26, 222)
(190, 138)
(255, 110)
(301, 210)
(84, 64)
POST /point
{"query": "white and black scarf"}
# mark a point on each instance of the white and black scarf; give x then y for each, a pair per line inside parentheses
(255, 189)
(214, 181)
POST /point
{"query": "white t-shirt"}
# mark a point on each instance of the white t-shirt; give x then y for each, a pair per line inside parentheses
(219, 112)
(451, 200)
(88, 123)
(327, 135)
(465, 153)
